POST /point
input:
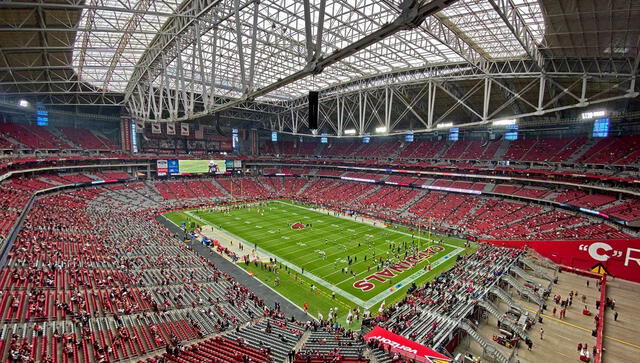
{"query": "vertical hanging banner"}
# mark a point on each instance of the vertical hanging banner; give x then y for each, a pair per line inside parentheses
(139, 126)
(171, 129)
(184, 129)
(155, 128)
(134, 138)
(199, 131)
(125, 133)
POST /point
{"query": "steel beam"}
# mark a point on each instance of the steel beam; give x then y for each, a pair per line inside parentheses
(412, 15)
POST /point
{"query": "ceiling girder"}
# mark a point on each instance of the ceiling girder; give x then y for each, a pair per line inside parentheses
(528, 80)
(413, 14)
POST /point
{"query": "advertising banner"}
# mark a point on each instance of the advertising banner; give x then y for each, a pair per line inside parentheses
(171, 129)
(618, 258)
(172, 165)
(405, 347)
(162, 167)
(155, 128)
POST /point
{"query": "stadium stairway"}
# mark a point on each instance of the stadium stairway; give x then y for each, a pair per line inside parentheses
(577, 154)
(506, 297)
(526, 276)
(327, 342)
(15, 142)
(493, 310)
(524, 291)
(220, 188)
(487, 348)
(318, 149)
(280, 340)
(59, 134)
(541, 262)
(502, 149)
(537, 270)
(367, 193)
(404, 210)
(50, 181)
(304, 187)
(381, 356)
(303, 339)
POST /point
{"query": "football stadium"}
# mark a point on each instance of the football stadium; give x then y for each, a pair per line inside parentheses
(316, 181)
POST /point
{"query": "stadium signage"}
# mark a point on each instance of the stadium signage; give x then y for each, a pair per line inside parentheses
(357, 179)
(368, 283)
(394, 345)
(620, 258)
(403, 346)
(447, 189)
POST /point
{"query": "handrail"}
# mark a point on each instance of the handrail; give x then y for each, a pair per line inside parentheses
(600, 327)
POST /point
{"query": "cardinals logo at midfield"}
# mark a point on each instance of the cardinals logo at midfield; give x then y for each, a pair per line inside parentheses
(298, 225)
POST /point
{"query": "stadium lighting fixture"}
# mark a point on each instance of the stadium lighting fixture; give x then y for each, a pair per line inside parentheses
(381, 129)
(593, 114)
(23, 103)
(445, 125)
(350, 131)
(504, 122)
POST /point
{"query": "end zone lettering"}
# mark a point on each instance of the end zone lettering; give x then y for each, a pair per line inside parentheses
(368, 283)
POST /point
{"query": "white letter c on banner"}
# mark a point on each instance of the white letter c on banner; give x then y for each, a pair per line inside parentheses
(595, 248)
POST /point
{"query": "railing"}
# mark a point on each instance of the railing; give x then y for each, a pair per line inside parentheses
(529, 293)
(600, 327)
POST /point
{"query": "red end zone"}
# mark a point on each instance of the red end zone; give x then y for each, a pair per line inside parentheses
(620, 258)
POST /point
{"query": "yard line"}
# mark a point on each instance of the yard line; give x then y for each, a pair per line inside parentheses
(384, 228)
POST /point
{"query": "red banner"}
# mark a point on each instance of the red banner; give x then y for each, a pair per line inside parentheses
(403, 346)
(618, 258)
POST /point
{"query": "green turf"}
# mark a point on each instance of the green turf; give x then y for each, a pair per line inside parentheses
(269, 228)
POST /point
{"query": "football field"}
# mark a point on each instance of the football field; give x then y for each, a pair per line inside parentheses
(325, 260)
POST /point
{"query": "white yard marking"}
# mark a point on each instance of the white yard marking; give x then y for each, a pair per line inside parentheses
(374, 300)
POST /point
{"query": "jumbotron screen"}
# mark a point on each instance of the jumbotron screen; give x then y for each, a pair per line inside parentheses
(202, 166)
